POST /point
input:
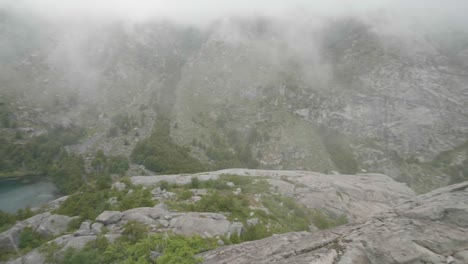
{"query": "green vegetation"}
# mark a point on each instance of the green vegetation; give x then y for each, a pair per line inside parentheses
(38, 154)
(166, 248)
(281, 214)
(160, 154)
(458, 172)
(7, 220)
(29, 239)
(103, 164)
(5, 116)
(235, 149)
(90, 202)
(121, 123)
(68, 173)
(338, 147)
(87, 205)
(139, 197)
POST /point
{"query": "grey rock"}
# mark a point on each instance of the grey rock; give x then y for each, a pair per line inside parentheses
(45, 224)
(252, 222)
(205, 224)
(52, 205)
(196, 198)
(155, 254)
(446, 204)
(119, 186)
(156, 191)
(237, 191)
(450, 260)
(113, 201)
(168, 195)
(48, 224)
(9, 239)
(236, 228)
(220, 242)
(403, 235)
(164, 223)
(84, 230)
(134, 215)
(356, 196)
(109, 217)
(284, 188)
(33, 257)
(462, 256)
(199, 192)
(230, 184)
(96, 228)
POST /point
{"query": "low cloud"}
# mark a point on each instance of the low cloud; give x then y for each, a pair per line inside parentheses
(202, 12)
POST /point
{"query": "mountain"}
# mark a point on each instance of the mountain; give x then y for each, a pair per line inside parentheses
(346, 94)
(253, 138)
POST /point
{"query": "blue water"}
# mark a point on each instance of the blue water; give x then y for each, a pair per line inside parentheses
(25, 192)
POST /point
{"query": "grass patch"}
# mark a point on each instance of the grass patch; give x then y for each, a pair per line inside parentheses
(170, 249)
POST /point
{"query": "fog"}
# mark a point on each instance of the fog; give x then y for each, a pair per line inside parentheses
(202, 12)
(293, 28)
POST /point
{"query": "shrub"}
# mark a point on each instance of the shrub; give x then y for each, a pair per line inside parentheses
(134, 231)
(29, 238)
(160, 154)
(174, 249)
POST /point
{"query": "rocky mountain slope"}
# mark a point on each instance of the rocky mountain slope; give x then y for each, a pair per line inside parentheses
(345, 94)
(387, 222)
(430, 228)
(356, 196)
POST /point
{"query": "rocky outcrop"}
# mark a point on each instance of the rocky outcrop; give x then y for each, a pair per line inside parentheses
(430, 228)
(63, 242)
(160, 219)
(109, 217)
(46, 224)
(356, 196)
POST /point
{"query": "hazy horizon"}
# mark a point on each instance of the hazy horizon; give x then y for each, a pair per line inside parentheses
(426, 13)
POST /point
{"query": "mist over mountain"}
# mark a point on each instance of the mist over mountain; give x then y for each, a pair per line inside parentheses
(331, 84)
(92, 91)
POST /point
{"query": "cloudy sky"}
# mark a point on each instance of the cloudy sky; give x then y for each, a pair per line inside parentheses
(203, 11)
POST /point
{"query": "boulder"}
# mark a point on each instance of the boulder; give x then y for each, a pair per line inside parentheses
(84, 230)
(96, 228)
(236, 228)
(138, 217)
(252, 222)
(119, 186)
(156, 191)
(109, 217)
(48, 224)
(205, 224)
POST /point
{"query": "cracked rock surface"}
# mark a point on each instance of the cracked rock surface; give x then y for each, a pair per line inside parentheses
(430, 228)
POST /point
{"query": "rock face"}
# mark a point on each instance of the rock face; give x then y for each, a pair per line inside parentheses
(64, 242)
(159, 219)
(206, 224)
(109, 217)
(430, 228)
(46, 224)
(356, 196)
(405, 93)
